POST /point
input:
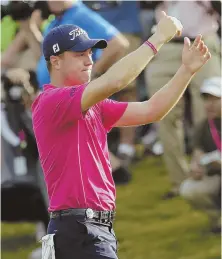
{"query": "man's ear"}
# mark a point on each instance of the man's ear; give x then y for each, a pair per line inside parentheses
(55, 61)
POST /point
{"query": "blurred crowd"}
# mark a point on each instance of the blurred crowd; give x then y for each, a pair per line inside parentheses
(188, 138)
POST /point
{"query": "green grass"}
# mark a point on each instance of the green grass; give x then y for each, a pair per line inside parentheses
(146, 226)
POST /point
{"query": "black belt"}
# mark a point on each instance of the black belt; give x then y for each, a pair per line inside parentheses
(99, 216)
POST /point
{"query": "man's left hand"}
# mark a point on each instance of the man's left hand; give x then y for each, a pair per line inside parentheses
(196, 55)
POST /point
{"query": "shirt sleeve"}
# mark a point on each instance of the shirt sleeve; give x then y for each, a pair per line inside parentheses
(112, 111)
(63, 105)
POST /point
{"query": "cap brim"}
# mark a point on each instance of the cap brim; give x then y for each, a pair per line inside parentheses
(212, 90)
(89, 44)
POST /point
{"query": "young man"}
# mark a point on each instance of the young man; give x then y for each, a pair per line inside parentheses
(71, 120)
(202, 188)
(72, 12)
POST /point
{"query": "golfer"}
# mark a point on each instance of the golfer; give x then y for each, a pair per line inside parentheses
(72, 117)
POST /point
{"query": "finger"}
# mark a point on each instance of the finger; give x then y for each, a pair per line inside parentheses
(201, 45)
(204, 50)
(207, 56)
(197, 41)
(163, 14)
(187, 42)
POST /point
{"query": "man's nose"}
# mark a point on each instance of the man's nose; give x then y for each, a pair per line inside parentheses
(89, 61)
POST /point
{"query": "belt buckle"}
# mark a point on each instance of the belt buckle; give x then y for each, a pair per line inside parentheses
(89, 213)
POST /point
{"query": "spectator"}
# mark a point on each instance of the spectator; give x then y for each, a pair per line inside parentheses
(124, 15)
(164, 66)
(202, 189)
(17, 123)
(72, 12)
(21, 34)
(21, 88)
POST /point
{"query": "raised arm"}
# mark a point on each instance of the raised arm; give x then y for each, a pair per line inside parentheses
(129, 67)
(159, 105)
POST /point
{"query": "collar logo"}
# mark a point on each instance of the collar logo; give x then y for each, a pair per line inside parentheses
(76, 33)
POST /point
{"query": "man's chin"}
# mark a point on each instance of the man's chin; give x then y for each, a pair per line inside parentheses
(80, 81)
(84, 81)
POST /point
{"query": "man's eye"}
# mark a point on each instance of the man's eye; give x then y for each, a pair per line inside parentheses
(79, 54)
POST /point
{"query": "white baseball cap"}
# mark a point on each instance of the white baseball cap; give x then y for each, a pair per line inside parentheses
(212, 86)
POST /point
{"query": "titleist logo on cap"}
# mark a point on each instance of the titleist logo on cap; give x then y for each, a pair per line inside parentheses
(76, 33)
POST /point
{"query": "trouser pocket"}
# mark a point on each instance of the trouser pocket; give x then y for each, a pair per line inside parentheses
(91, 233)
(100, 238)
(114, 235)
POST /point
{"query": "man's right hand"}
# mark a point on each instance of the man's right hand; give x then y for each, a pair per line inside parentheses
(168, 27)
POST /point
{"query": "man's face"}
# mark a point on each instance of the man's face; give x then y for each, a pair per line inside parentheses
(212, 106)
(75, 67)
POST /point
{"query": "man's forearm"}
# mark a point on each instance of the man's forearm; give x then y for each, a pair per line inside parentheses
(128, 68)
(161, 103)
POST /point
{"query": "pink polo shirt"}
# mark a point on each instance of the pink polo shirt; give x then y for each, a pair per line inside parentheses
(73, 148)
